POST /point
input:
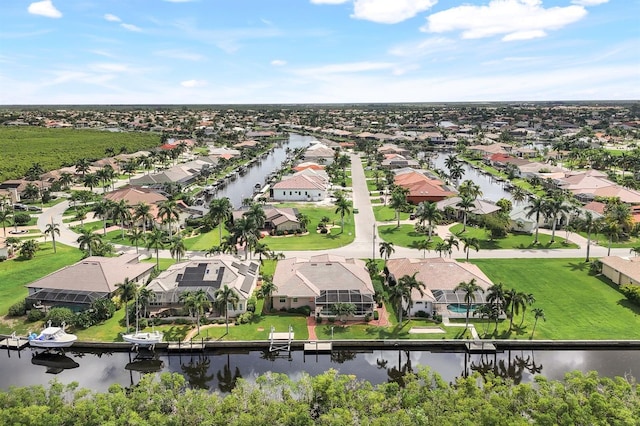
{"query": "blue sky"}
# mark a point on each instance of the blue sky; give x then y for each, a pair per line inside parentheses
(317, 51)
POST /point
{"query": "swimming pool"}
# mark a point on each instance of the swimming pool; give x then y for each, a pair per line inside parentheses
(461, 308)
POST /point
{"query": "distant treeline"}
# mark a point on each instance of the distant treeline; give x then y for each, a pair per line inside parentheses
(21, 147)
(422, 398)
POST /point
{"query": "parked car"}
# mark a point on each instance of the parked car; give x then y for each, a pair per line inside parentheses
(19, 206)
(34, 208)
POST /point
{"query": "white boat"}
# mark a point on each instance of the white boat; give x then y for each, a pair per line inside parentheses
(52, 337)
(143, 338)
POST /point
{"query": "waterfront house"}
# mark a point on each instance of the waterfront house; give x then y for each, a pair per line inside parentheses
(78, 285)
(422, 187)
(305, 185)
(322, 281)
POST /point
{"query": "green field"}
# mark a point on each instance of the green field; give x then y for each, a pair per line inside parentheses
(405, 236)
(258, 328)
(576, 305)
(604, 241)
(387, 214)
(512, 241)
(54, 148)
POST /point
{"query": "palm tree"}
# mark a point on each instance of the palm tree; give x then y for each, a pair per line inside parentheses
(456, 172)
(142, 212)
(266, 290)
(554, 208)
(53, 229)
(5, 214)
(425, 246)
(343, 310)
(536, 207)
(469, 243)
(470, 189)
(451, 241)
(103, 210)
(396, 297)
(514, 300)
(496, 296)
(120, 212)
(136, 235)
(245, 233)
(466, 204)
(82, 166)
(88, 240)
(441, 247)
(256, 213)
(177, 248)
(451, 161)
(588, 224)
(538, 313)
(611, 230)
(427, 211)
(635, 251)
(398, 201)
(343, 207)
(303, 220)
(91, 180)
(518, 194)
(470, 289)
(167, 211)
(261, 249)
(386, 249)
(128, 290)
(145, 295)
(199, 301)
(226, 297)
(65, 180)
(219, 212)
(156, 240)
(372, 267)
(528, 299)
(410, 283)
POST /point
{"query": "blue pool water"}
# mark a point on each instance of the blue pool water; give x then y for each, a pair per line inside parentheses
(460, 308)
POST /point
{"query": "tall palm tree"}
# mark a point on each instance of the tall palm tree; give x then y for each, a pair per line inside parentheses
(145, 295)
(343, 310)
(397, 294)
(456, 172)
(514, 300)
(177, 248)
(91, 180)
(451, 241)
(167, 211)
(219, 212)
(156, 240)
(386, 249)
(469, 243)
(5, 215)
(398, 201)
(466, 204)
(343, 207)
(428, 211)
(469, 289)
(245, 233)
(142, 212)
(536, 207)
(496, 296)
(588, 224)
(528, 299)
(266, 290)
(88, 240)
(256, 213)
(470, 189)
(128, 290)
(52, 229)
(196, 301)
(538, 313)
(555, 207)
(410, 283)
(518, 195)
(65, 180)
(441, 247)
(425, 246)
(82, 166)
(261, 249)
(103, 210)
(136, 236)
(226, 297)
(611, 229)
(120, 212)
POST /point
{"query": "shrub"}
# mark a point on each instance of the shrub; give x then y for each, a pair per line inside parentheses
(59, 315)
(632, 293)
(437, 318)
(18, 309)
(21, 219)
(324, 231)
(422, 314)
(367, 317)
(318, 319)
(303, 310)
(244, 318)
(34, 315)
(331, 320)
(595, 268)
(376, 315)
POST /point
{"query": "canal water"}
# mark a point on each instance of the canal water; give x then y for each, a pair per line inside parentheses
(216, 371)
(492, 189)
(243, 186)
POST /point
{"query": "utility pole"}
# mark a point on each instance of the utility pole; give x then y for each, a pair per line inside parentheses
(374, 242)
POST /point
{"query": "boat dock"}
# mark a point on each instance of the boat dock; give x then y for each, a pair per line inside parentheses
(280, 341)
(480, 348)
(189, 346)
(14, 342)
(318, 347)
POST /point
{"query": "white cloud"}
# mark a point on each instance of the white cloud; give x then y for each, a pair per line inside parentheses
(112, 18)
(589, 2)
(329, 1)
(389, 11)
(180, 54)
(422, 48)
(193, 83)
(44, 8)
(515, 19)
(109, 67)
(131, 27)
(278, 63)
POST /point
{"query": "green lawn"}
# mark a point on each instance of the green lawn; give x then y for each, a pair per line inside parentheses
(258, 328)
(405, 236)
(203, 242)
(512, 241)
(576, 305)
(315, 240)
(397, 331)
(604, 241)
(387, 214)
(15, 273)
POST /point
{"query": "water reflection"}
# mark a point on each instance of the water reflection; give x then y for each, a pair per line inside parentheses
(221, 370)
(55, 362)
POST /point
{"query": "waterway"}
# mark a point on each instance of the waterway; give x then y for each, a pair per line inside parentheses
(492, 189)
(216, 371)
(243, 186)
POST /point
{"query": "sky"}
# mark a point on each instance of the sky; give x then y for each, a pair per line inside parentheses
(317, 51)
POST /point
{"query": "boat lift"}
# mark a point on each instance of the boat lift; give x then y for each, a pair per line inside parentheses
(280, 341)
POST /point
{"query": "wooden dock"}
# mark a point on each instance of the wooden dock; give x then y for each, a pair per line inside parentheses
(480, 348)
(318, 347)
(14, 342)
(186, 346)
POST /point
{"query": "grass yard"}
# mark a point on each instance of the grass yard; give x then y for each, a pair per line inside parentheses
(397, 331)
(387, 214)
(15, 273)
(257, 329)
(576, 305)
(512, 241)
(203, 242)
(405, 236)
(315, 240)
(604, 241)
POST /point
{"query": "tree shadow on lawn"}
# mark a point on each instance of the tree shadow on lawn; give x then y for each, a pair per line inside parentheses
(176, 333)
(580, 266)
(397, 332)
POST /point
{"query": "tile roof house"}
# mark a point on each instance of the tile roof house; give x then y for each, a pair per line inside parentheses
(276, 219)
(78, 285)
(208, 275)
(421, 187)
(321, 281)
(134, 195)
(305, 185)
(319, 153)
(440, 276)
(621, 270)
